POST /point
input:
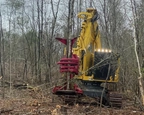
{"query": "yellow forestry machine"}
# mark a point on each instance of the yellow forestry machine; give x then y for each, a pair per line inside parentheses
(88, 68)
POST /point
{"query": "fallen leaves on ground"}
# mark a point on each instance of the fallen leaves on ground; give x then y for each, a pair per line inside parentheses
(30, 105)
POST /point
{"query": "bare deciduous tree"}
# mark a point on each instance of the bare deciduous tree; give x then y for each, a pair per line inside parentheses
(136, 41)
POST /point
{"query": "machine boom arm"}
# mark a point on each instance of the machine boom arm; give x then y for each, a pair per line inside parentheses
(90, 35)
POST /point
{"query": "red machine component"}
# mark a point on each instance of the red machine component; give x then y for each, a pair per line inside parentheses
(68, 65)
(60, 90)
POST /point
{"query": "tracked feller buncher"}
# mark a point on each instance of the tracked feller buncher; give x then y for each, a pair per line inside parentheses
(87, 68)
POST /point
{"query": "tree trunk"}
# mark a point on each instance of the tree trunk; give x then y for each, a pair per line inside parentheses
(1, 53)
(136, 52)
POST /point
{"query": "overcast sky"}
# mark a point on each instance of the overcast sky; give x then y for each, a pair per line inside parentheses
(2, 1)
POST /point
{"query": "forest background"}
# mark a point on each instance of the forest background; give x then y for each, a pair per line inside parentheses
(29, 52)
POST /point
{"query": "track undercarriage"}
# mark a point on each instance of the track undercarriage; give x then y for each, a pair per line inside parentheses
(92, 95)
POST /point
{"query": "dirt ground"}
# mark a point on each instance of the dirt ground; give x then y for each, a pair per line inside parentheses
(33, 102)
